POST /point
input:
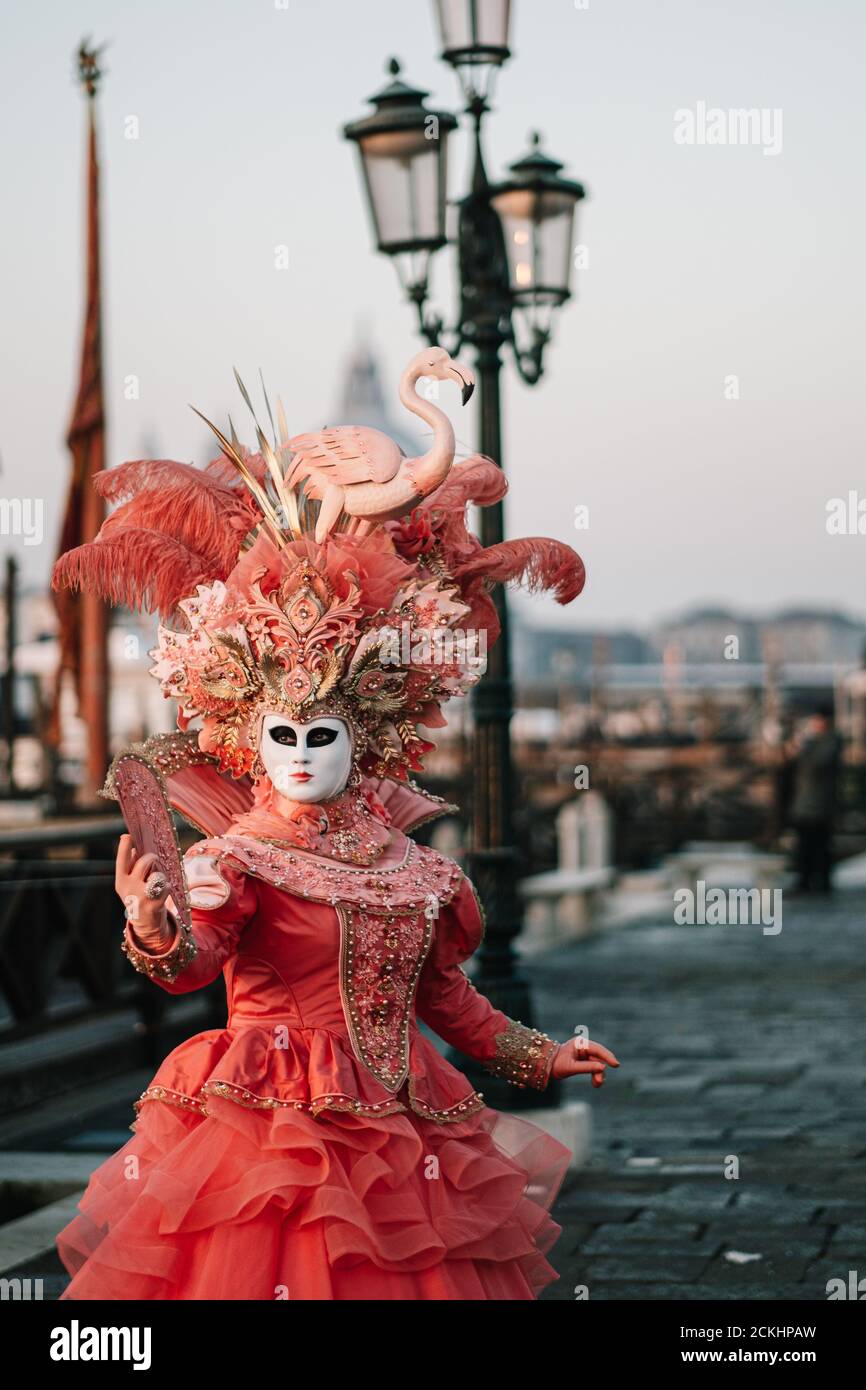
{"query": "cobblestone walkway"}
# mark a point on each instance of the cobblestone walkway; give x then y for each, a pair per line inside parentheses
(731, 1043)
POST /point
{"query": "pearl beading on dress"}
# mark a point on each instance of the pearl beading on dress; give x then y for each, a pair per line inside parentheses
(404, 887)
(377, 986)
(226, 1090)
(524, 1056)
(168, 966)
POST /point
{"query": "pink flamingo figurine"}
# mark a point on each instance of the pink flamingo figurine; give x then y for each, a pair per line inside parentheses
(364, 473)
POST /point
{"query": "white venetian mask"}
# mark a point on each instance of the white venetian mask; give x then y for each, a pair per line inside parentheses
(306, 762)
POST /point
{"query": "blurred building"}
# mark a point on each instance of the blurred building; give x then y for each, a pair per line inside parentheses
(362, 401)
(707, 672)
(795, 635)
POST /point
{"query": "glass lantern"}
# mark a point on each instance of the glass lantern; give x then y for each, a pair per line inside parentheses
(474, 36)
(403, 150)
(537, 210)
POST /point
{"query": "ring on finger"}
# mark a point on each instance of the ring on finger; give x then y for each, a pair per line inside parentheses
(155, 887)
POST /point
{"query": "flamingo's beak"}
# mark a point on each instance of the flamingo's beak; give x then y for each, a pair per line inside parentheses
(465, 377)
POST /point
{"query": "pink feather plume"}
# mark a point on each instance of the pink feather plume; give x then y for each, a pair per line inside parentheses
(542, 565)
(177, 526)
(475, 479)
(182, 502)
(142, 569)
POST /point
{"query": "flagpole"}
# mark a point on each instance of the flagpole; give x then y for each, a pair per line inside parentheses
(85, 646)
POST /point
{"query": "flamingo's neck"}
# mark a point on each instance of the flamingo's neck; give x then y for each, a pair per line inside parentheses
(431, 468)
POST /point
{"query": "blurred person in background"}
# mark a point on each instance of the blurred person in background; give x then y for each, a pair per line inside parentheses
(814, 757)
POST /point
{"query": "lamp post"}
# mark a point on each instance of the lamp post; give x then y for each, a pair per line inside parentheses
(514, 249)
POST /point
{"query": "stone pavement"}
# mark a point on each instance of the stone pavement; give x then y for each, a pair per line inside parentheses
(732, 1044)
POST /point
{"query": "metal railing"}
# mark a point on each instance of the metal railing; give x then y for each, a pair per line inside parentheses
(61, 925)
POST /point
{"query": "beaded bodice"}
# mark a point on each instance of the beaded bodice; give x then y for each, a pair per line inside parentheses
(328, 969)
(386, 921)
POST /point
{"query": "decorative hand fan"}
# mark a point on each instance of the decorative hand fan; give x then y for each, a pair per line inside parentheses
(144, 802)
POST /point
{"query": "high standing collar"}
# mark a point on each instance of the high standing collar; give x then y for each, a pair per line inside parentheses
(353, 827)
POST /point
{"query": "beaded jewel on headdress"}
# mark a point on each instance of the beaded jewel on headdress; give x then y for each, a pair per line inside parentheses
(275, 598)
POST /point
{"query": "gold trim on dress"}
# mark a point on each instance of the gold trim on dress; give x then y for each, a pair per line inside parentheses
(169, 1097)
(167, 966)
(165, 753)
(341, 864)
(392, 1067)
(333, 1100)
(446, 809)
(524, 1056)
(401, 887)
(469, 1105)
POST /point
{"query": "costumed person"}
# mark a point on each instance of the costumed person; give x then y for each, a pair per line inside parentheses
(321, 599)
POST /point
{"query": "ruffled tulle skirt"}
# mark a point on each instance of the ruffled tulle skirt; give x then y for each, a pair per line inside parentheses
(242, 1203)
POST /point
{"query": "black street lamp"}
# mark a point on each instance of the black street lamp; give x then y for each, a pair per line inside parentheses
(514, 246)
(474, 41)
(403, 149)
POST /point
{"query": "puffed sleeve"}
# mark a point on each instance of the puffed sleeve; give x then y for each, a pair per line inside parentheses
(448, 1002)
(223, 899)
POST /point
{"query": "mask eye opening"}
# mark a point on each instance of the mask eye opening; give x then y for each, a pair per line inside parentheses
(283, 735)
(321, 737)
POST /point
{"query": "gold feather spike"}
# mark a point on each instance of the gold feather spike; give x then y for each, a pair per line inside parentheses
(268, 408)
(236, 443)
(270, 518)
(281, 418)
(285, 455)
(246, 395)
(243, 390)
(285, 495)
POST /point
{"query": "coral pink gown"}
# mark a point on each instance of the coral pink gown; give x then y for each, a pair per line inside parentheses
(319, 1147)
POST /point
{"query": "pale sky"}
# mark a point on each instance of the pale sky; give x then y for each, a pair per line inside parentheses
(704, 262)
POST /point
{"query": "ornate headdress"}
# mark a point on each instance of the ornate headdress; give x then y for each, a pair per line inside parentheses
(296, 579)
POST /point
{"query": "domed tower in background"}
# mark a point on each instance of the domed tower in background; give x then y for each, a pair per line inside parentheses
(362, 400)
